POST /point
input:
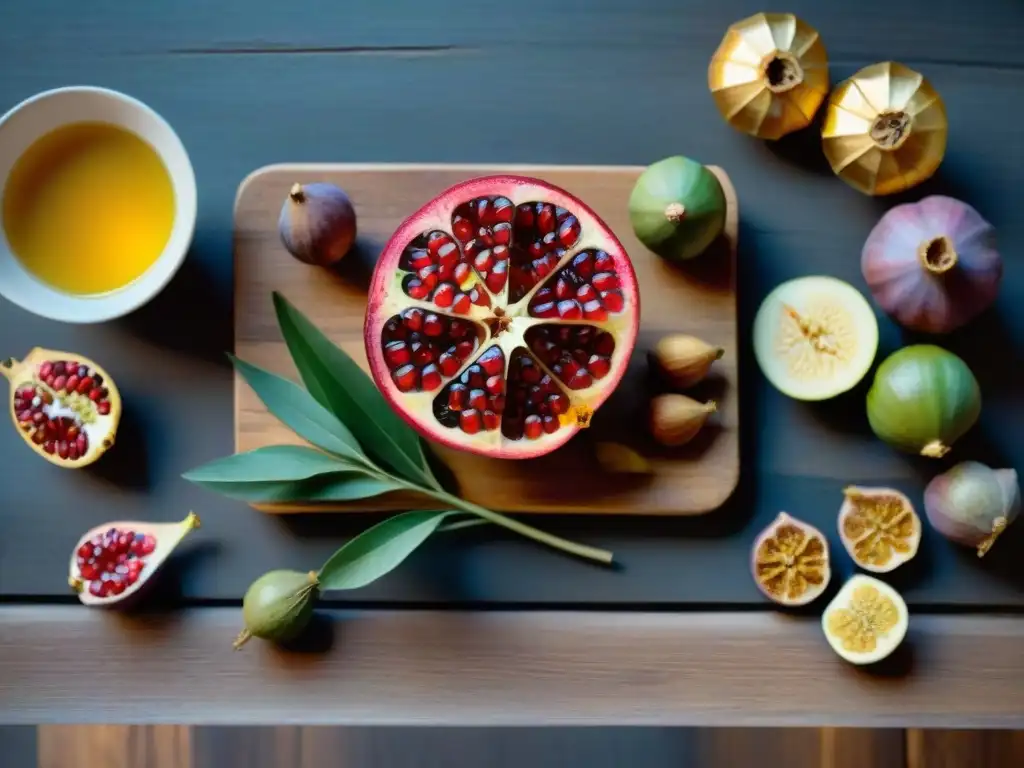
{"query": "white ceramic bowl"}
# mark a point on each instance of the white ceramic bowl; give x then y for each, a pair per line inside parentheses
(46, 111)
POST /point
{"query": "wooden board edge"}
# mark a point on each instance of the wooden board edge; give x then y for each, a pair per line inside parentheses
(731, 230)
(526, 668)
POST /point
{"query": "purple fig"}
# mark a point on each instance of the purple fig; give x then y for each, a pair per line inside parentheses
(317, 223)
(972, 504)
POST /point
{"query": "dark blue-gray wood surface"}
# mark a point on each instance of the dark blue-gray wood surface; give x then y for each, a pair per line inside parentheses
(250, 82)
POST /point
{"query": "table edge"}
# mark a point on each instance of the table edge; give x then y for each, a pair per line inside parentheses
(73, 664)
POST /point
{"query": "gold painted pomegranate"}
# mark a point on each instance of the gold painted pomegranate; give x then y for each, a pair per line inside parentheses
(885, 129)
(769, 75)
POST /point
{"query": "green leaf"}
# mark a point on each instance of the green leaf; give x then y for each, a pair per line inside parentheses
(273, 463)
(378, 550)
(297, 410)
(337, 486)
(337, 382)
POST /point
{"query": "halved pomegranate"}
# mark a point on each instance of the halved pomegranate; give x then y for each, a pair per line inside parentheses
(64, 406)
(501, 315)
(113, 561)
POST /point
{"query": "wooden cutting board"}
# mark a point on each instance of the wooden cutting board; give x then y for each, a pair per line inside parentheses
(698, 299)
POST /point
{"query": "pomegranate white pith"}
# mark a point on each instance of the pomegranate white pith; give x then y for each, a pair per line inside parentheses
(501, 315)
(64, 406)
(113, 561)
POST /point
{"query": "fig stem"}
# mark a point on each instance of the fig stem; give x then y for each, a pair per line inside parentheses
(936, 449)
(570, 547)
(243, 637)
(675, 212)
(998, 526)
(938, 255)
(297, 193)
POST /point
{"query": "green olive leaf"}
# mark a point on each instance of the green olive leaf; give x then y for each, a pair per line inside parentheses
(349, 485)
(273, 463)
(378, 550)
(340, 385)
(297, 410)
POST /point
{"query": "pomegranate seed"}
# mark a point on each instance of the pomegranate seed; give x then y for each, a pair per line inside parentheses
(549, 241)
(532, 427)
(491, 421)
(457, 397)
(62, 449)
(497, 403)
(530, 373)
(116, 586)
(85, 550)
(25, 416)
(492, 361)
(429, 277)
(458, 328)
(479, 298)
(148, 544)
(502, 234)
(474, 377)
(477, 399)
(83, 443)
(58, 368)
(432, 325)
(96, 588)
(605, 281)
(431, 378)
(613, 301)
(422, 353)
(124, 541)
(586, 293)
(462, 228)
(550, 424)
(569, 231)
(109, 566)
(545, 219)
(603, 262)
(73, 451)
(545, 264)
(45, 369)
(443, 297)
(448, 256)
(580, 380)
(448, 363)
(464, 349)
(558, 403)
(496, 385)
(418, 259)
(59, 383)
(415, 288)
(524, 216)
(134, 566)
(484, 212)
(604, 344)
(72, 382)
(413, 319)
(583, 265)
(406, 378)
(461, 273)
(483, 261)
(569, 309)
(436, 240)
(496, 280)
(469, 421)
(544, 310)
(89, 571)
(396, 353)
(593, 310)
(461, 304)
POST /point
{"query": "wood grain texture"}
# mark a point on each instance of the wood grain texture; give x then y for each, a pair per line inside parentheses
(115, 746)
(959, 748)
(502, 668)
(699, 300)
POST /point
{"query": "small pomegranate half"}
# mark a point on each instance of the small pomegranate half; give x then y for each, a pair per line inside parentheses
(113, 561)
(502, 314)
(64, 406)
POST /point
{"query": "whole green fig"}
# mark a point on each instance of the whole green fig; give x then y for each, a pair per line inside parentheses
(278, 606)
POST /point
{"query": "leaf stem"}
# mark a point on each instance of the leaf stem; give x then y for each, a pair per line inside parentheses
(542, 537)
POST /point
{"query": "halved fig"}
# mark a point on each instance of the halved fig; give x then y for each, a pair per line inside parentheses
(114, 561)
(64, 406)
(866, 621)
(501, 315)
(815, 337)
(790, 561)
(879, 528)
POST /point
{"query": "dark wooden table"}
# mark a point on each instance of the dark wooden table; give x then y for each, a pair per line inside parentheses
(679, 634)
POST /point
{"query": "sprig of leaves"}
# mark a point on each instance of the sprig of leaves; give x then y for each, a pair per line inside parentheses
(359, 449)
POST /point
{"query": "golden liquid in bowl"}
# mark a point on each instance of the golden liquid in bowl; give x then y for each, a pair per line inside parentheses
(88, 208)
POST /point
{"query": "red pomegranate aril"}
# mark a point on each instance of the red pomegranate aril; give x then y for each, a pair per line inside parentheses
(479, 298)
(406, 378)
(458, 396)
(580, 380)
(495, 385)
(477, 399)
(605, 281)
(462, 228)
(464, 349)
(58, 368)
(483, 261)
(462, 273)
(430, 378)
(59, 383)
(558, 403)
(85, 550)
(413, 319)
(562, 289)
(496, 280)
(416, 288)
(603, 262)
(497, 403)
(449, 364)
(470, 421)
(435, 241)
(72, 383)
(418, 259)
(396, 353)
(492, 361)
(421, 353)
(73, 451)
(593, 310)
(550, 424)
(45, 369)
(461, 304)
(569, 309)
(502, 234)
(491, 420)
(586, 293)
(604, 344)
(62, 449)
(532, 427)
(429, 277)
(613, 301)
(443, 296)
(547, 309)
(545, 219)
(598, 366)
(569, 231)
(432, 325)
(49, 446)
(89, 571)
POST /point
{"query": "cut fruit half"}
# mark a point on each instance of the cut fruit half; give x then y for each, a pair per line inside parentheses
(815, 337)
(790, 561)
(879, 528)
(866, 621)
(502, 314)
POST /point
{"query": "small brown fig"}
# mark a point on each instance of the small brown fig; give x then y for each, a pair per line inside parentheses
(317, 223)
(686, 360)
(621, 459)
(676, 419)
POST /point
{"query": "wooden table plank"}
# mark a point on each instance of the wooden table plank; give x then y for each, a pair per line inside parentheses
(503, 668)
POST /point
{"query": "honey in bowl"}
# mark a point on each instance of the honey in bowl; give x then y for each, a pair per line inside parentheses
(88, 208)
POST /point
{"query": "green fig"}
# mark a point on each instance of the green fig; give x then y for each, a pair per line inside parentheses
(278, 606)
